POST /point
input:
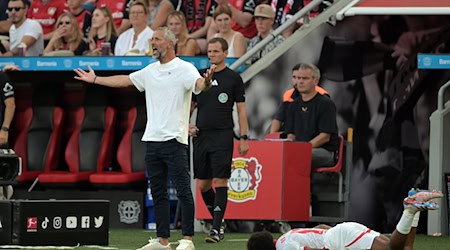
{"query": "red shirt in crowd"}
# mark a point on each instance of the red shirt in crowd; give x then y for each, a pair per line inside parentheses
(119, 9)
(245, 6)
(47, 14)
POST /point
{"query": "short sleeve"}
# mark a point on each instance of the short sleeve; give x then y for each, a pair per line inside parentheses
(290, 119)
(35, 30)
(249, 6)
(191, 76)
(239, 90)
(7, 88)
(138, 78)
(327, 119)
(281, 113)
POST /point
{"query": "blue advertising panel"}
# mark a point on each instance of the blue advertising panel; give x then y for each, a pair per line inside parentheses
(433, 61)
(112, 63)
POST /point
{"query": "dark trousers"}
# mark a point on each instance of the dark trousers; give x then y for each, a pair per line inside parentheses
(165, 159)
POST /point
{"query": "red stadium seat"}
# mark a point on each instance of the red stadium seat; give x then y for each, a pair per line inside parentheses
(90, 146)
(336, 169)
(130, 155)
(39, 137)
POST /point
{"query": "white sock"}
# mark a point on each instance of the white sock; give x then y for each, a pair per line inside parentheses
(415, 221)
(404, 225)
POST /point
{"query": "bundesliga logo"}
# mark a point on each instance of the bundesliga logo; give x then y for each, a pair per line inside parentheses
(244, 180)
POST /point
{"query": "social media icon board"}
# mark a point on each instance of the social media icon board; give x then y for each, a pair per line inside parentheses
(85, 222)
(71, 222)
(98, 221)
(44, 224)
(57, 222)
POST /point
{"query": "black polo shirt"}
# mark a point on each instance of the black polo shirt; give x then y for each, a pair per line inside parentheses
(308, 119)
(215, 107)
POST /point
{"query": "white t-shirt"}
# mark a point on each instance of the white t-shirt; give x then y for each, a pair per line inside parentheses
(302, 238)
(125, 42)
(168, 92)
(28, 28)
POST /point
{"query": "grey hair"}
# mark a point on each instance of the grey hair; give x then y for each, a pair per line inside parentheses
(304, 66)
(168, 34)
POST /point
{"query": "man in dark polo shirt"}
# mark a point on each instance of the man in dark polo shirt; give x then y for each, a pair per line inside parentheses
(312, 118)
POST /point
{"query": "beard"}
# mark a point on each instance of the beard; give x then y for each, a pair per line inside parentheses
(161, 54)
(16, 20)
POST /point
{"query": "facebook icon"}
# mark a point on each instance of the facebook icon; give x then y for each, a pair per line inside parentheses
(85, 222)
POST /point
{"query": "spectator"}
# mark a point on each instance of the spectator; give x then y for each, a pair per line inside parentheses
(67, 35)
(283, 10)
(120, 13)
(83, 16)
(242, 12)
(186, 46)
(136, 39)
(264, 19)
(236, 41)
(153, 7)
(89, 5)
(46, 12)
(5, 23)
(102, 30)
(24, 32)
(312, 117)
(198, 17)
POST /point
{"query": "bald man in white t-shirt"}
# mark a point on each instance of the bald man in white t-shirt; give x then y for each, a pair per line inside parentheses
(168, 85)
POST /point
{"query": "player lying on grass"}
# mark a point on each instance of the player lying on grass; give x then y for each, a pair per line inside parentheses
(351, 235)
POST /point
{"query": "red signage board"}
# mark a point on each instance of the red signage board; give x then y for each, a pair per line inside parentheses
(272, 182)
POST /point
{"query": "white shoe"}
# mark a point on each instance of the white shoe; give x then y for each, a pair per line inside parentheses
(153, 244)
(185, 245)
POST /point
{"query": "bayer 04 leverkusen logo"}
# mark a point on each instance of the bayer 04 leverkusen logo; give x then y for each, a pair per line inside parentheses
(244, 180)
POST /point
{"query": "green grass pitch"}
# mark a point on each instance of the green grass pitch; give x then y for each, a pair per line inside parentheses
(126, 239)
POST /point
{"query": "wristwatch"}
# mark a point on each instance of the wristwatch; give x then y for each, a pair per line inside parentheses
(244, 137)
(6, 129)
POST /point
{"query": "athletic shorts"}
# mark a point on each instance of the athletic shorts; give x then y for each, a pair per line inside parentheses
(349, 235)
(213, 153)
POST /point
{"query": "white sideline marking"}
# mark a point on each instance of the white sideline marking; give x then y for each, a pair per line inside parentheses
(54, 247)
(237, 240)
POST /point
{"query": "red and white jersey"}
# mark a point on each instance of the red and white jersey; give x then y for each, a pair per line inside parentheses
(302, 238)
(46, 14)
(245, 6)
(350, 236)
(119, 9)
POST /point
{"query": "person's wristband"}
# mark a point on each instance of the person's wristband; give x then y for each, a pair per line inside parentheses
(244, 137)
(6, 129)
(93, 82)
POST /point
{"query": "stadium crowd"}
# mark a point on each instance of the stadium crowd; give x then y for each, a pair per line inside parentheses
(124, 27)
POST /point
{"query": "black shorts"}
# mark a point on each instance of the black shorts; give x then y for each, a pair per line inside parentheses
(213, 153)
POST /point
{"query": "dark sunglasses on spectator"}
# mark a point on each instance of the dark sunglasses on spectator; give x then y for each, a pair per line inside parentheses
(66, 23)
(15, 8)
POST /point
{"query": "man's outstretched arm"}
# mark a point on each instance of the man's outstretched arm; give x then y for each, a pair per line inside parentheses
(118, 81)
